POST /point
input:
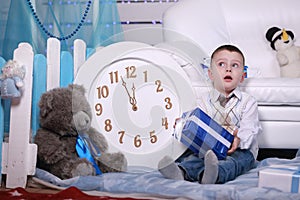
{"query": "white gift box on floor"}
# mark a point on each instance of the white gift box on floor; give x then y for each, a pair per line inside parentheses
(283, 177)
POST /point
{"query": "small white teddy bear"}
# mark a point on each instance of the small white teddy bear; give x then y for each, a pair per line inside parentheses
(11, 80)
(288, 55)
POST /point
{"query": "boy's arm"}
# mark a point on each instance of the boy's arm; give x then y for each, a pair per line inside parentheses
(249, 124)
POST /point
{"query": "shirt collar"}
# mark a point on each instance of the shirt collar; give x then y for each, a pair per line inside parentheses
(215, 94)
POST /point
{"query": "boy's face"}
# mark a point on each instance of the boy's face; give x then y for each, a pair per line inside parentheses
(226, 71)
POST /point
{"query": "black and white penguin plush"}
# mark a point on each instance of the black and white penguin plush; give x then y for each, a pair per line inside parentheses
(288, 55)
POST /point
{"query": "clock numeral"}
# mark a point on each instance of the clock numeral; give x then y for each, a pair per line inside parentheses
(159, 87)
(99, 109)
(103, 91)
(114, 77)
(137, 138)
(145, 76)
(121, 133)
(169, 103)
(137, 141)
(153, 137)
(165, 123)
(108, 126)
(130, 71)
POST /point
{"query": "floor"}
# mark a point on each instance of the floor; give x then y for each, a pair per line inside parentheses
(31, 187)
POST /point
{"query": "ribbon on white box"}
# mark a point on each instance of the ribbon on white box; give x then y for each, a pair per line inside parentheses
(282, 177)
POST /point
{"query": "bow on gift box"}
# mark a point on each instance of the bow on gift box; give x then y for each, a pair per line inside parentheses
(84, 146)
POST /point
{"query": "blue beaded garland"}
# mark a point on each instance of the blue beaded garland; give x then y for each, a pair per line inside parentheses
(50, 34)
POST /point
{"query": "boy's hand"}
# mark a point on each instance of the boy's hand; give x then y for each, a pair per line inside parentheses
(235, 143)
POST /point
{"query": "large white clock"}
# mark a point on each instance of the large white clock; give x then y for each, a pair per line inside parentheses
(136, 92)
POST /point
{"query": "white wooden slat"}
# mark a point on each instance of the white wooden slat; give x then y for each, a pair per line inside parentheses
(53, 63)
(142, 11)
(79, 54)
(4, 158)
(31, 160)
(21, 155)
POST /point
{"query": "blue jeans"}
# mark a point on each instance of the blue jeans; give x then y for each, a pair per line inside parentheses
(232, 166)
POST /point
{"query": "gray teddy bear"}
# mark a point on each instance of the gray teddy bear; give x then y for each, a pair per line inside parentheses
(67, 144)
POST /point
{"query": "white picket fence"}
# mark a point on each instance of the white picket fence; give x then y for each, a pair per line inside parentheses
(19, 154)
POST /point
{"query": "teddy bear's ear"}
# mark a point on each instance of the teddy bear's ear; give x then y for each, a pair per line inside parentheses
(45, 104)
(77, 88)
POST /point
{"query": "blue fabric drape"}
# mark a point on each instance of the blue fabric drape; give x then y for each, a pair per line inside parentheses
(101, 26)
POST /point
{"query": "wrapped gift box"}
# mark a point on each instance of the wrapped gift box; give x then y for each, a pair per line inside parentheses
(282, 177)
(200, 133)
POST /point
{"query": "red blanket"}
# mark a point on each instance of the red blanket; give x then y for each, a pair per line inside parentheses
(69, 193)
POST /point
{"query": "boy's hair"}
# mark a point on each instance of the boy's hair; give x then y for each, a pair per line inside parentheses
(230, 48)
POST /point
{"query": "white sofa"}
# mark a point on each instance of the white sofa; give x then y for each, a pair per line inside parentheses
(207, 24)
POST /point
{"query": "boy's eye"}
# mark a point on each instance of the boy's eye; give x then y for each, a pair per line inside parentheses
(221, 64)
(235, 65)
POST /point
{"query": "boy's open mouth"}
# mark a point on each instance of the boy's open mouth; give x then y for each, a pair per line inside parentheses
(227, 78)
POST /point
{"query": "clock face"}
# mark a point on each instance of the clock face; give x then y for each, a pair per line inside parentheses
(135, 105)
(135, 102)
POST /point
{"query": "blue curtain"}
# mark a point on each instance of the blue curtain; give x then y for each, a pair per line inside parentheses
(33, 21)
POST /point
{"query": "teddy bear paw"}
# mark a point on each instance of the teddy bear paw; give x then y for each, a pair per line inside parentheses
(112, 162)
(83, 169)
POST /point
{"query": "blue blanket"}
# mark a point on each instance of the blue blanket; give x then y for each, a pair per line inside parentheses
(153, 183)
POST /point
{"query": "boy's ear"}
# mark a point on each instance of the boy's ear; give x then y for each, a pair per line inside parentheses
(210, 74)
(243, 78)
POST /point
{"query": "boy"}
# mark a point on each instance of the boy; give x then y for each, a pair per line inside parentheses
(236, 111)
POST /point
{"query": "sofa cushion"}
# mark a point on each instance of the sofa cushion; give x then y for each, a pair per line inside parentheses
(273, 91)
(279, 113)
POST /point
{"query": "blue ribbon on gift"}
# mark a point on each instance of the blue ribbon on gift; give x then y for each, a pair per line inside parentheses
(83, 147)
(295, 178)
(199, 140)
(295, 182)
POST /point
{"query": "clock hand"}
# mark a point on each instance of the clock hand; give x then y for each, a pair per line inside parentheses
(132, 100)
(124, 84)
(134, 107)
